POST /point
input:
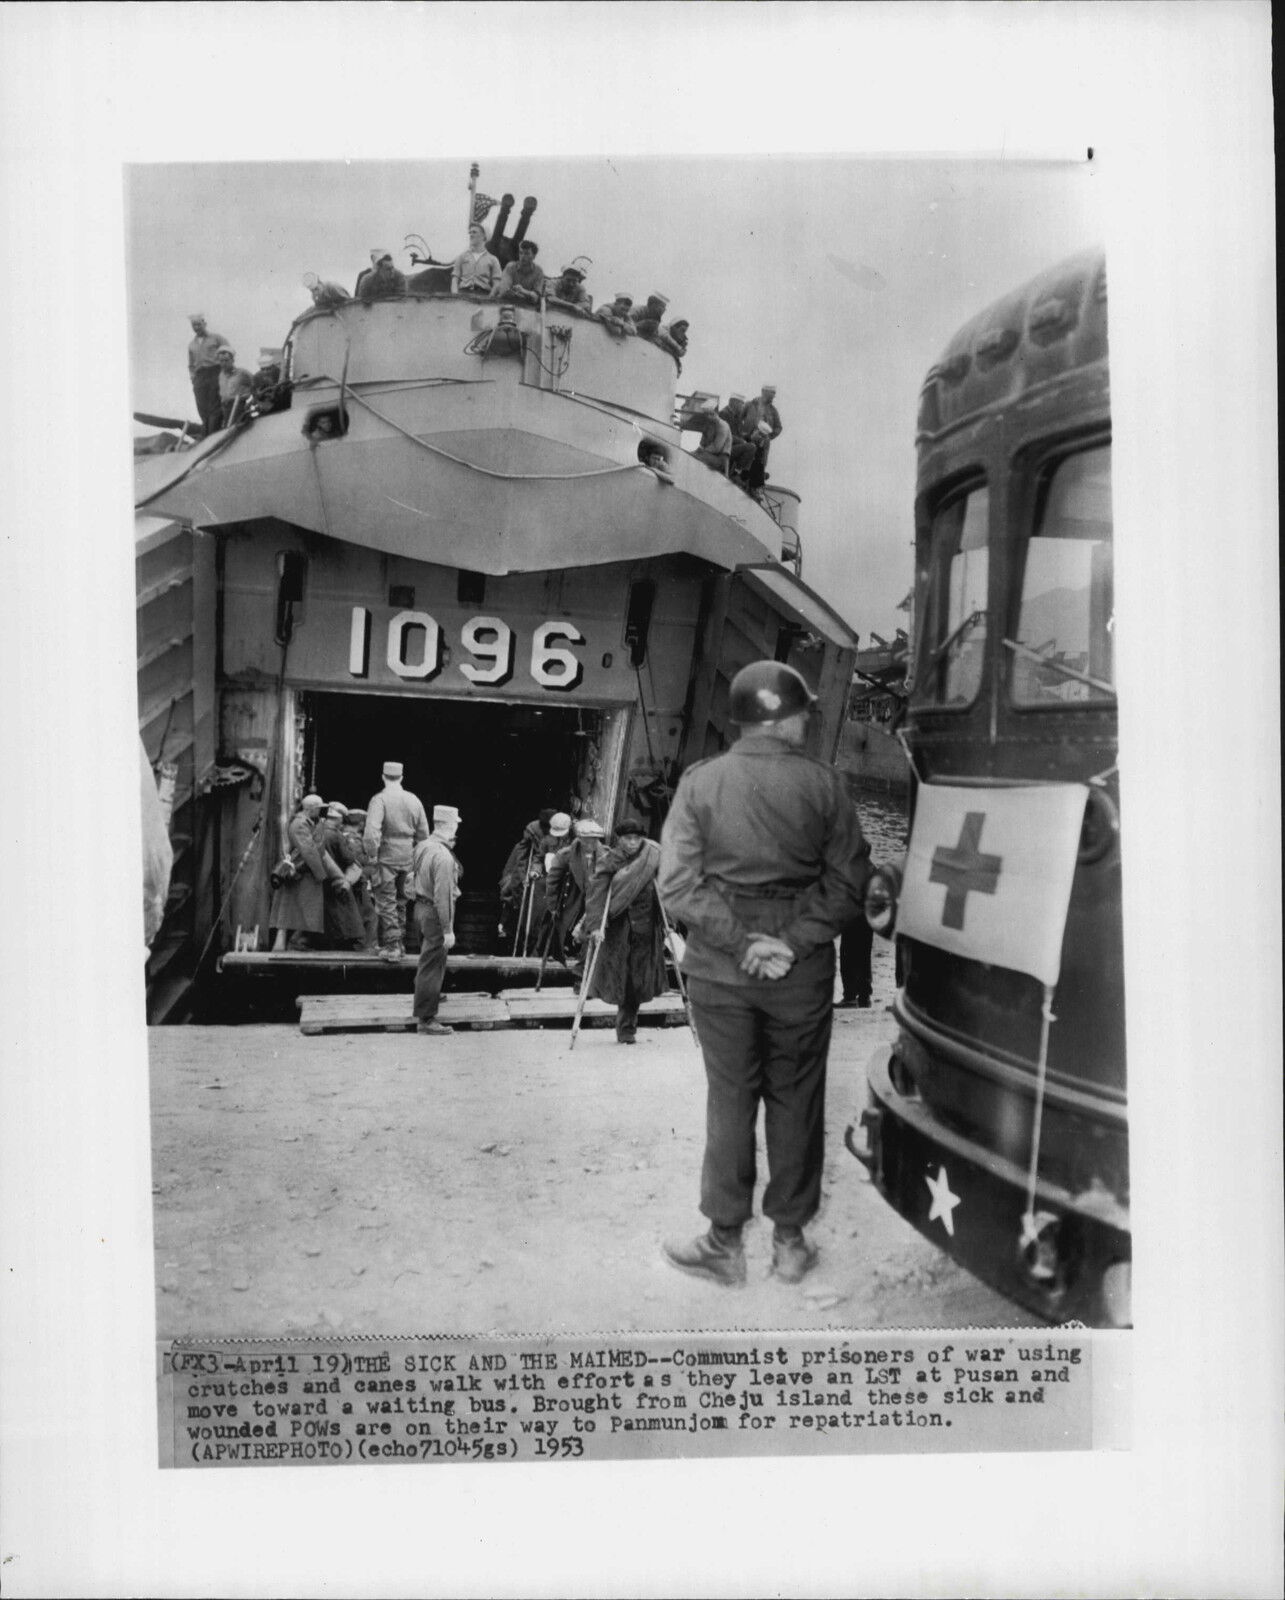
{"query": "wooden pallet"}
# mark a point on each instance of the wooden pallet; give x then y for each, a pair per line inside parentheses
(391, 1013)
(513, 1008)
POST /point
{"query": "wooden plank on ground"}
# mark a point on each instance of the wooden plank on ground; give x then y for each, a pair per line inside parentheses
(528, 1009)
(391, 1013)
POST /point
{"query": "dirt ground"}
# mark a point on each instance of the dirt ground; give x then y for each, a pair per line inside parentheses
(494, 1182)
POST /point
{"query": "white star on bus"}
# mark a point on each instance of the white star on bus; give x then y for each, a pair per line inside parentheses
(944, 1202)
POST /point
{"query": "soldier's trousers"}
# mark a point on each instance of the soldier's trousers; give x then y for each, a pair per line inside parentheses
(854, 959)
(389, 890)
(765, 1042)
(432, 962)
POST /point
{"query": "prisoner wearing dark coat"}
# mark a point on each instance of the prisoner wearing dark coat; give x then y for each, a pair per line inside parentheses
(566, 885)
(344, 921)
(630, 966)
(300, 907)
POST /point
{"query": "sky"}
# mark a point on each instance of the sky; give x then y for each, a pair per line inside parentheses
(839, 279)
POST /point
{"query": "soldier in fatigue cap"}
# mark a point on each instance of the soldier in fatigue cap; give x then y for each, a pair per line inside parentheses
(436, 881)
(763, 859)
(395, 823)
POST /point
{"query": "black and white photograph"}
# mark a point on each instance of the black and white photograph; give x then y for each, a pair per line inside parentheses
(667, 930)
(436, 608)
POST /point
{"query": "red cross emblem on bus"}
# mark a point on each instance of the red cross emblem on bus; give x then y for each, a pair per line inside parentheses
(964, 869)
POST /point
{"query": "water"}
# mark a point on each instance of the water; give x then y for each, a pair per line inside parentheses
(883, 821)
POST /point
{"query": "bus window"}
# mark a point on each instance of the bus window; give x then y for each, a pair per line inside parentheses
(1063, 648)
(953, 657)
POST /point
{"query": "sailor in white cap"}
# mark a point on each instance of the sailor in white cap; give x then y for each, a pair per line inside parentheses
(761, 410)
(437, 887)
(647, 319)
(742, 451)
(616, 315)
(381, 279)
(264, 383)
(298, 910)
(568, 288)
(395, 823)
(234, 387)
(716, 437)
(203, 370)
(325, 295)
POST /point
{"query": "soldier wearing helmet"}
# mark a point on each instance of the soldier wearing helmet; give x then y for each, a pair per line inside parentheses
(763, 859)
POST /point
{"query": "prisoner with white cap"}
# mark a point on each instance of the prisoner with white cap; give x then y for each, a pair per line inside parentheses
(437, 888)
(568, 880)
(395, 823)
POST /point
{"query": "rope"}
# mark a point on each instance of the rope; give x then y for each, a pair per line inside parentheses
(487, 472)
(1046, 1019)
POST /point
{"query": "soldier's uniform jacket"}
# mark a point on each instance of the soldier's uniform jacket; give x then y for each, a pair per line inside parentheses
(437, 879)
(762, 839)
(395, 823)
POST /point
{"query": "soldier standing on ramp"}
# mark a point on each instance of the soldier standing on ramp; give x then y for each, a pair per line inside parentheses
(763, 859)
(395, 823)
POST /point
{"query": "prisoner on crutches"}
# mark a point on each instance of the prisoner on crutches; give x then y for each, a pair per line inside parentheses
(595, 939)
(671, 944)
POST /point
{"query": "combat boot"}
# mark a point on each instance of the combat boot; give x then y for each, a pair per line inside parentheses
(718, 1256)
(792, 1255)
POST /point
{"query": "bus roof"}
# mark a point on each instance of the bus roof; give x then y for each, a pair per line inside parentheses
(1054, 325)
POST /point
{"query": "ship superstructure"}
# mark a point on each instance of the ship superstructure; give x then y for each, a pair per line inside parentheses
(448, 550)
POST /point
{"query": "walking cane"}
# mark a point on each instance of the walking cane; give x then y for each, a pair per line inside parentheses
(522, 905)
(596, 937)
(530, 907)
(678, 971)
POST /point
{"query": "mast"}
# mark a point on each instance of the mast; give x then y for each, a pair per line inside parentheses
(473, 174)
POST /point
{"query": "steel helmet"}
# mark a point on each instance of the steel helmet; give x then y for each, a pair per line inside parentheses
(768, 691)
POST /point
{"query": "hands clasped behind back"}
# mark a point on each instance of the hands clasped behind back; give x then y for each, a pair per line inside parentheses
(767, 957)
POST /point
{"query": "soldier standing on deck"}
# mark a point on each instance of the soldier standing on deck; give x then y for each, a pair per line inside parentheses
(763, 858)
(395, 823)
(203, 369)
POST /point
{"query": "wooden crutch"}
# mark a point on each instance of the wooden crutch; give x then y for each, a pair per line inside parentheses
(596, 939)
(678, 971)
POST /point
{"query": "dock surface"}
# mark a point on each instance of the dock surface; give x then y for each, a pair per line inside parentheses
(493, 1182)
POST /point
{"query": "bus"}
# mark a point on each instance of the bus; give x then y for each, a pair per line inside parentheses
(997, 1120)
